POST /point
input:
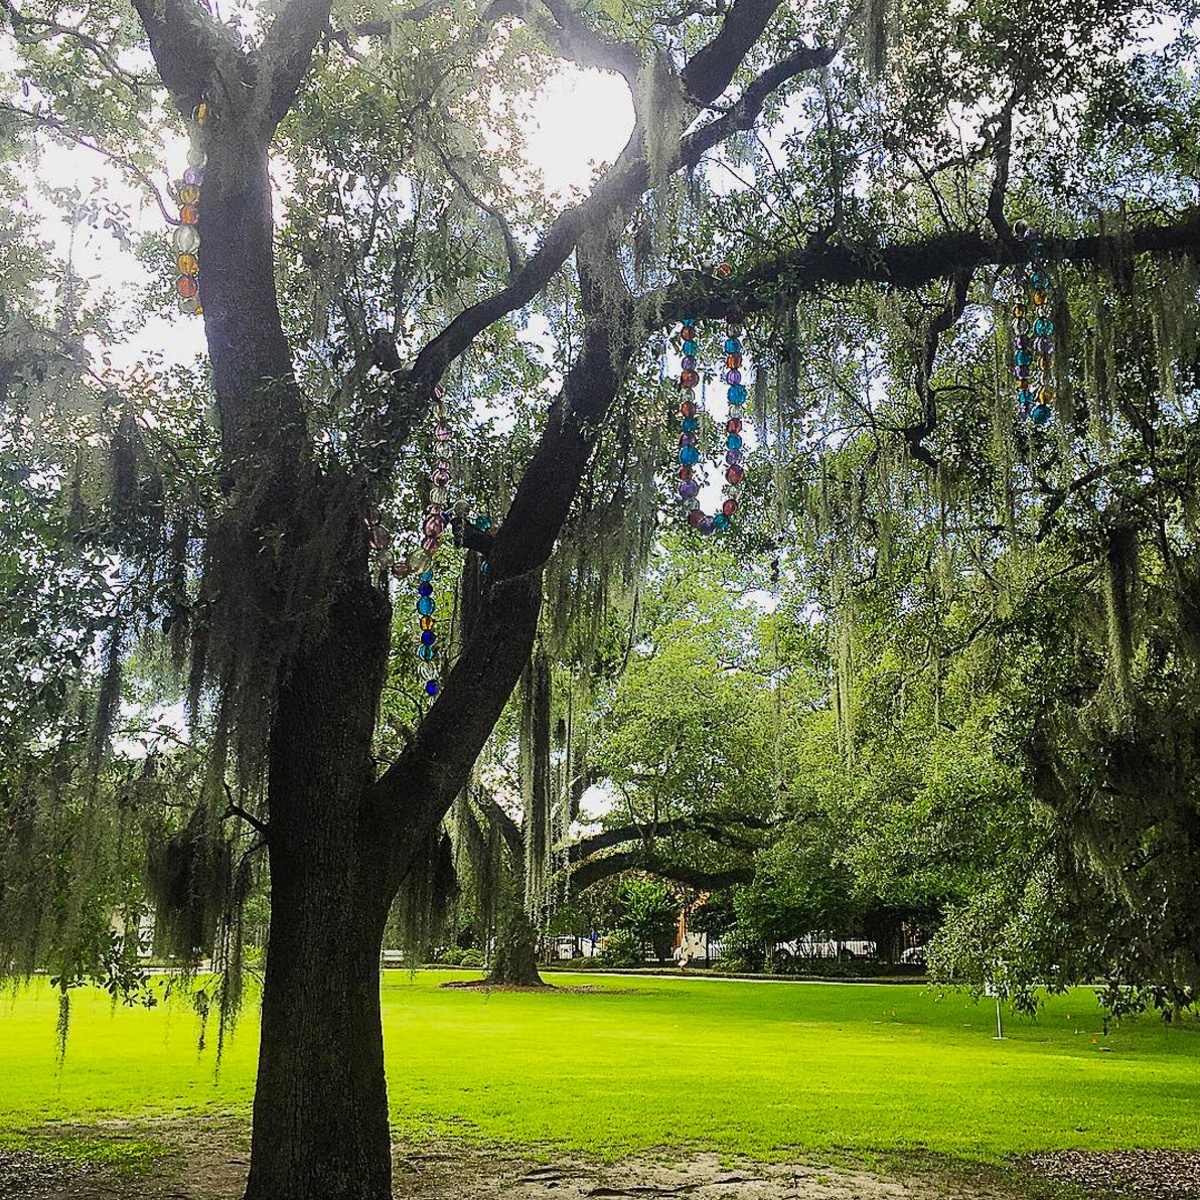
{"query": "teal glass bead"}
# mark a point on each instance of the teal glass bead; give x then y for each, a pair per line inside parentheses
(689, 456)
(426, 576)
(1041, 414)
(734, 441)
(720, 521)
(1025, 396)
(737, 394)
(1043, 327)
(690, 424)
(425, 652)
(690, 348)
(483, 523)
(425, 606)
(733, 346)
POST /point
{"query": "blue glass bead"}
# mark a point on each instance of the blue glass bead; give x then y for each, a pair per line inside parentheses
(690, 348)
(425, 589)
(1040, 414)
(428, 637)
(1024, 358)
(721, 521)
(1043, 326)
(484, 567)
(689, 456)
(426, 577)
(425, 606)
(734, 441)
(733, 346)
(484, 523)
(425, 652)
(431, 688)
(691, 424)
(737, 394)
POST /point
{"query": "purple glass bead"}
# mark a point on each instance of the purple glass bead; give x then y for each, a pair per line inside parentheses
(733, 377)
(1044, 346)
(687, 439)
(1021, 372)
(194, 176)
(706, 525)
(733, 457)
(688, 363)
(442, 432)
(688, 489)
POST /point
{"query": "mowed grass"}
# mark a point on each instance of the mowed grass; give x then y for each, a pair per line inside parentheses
(758, 1068)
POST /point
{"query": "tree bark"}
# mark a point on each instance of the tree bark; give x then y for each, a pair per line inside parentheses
(320, 1106)
(515, 963)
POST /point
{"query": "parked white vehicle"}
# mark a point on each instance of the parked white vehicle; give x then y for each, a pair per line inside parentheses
(819, 945)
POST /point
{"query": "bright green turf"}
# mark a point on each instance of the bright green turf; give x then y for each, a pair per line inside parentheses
(761, 1068)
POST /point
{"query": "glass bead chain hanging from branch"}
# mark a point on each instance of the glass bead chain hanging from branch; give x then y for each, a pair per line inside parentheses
(1033, 332)
(433, 527)
(186, 238)
(691, 472)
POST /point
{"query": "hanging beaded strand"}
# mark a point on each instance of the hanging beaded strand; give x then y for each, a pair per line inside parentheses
(1033, 332)
(689, 453)
(432, 529)
(186, 238)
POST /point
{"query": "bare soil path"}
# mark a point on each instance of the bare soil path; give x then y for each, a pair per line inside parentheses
(209, 1162)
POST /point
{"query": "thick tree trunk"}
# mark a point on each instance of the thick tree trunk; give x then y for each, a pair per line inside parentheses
(515, 963)
(320, 1106)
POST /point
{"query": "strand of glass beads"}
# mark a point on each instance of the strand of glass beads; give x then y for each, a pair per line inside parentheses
(186, 238)
(689, 453)
(433, 527)
(1033, 332)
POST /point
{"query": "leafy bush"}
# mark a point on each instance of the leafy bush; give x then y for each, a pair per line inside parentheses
(451, 956)
(621, 948)
(470, 958)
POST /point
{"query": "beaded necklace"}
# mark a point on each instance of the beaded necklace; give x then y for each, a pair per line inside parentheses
(186, 238)
(689, 453)
(1033, 329)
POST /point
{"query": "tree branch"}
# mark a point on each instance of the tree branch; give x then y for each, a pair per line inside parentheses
(595, 869)
(286, 53)
(188, 46)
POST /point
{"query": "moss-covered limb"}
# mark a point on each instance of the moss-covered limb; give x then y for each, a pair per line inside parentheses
(909, 266)
(593, 870)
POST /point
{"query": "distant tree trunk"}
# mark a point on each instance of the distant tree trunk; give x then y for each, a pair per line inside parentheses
(515, 962)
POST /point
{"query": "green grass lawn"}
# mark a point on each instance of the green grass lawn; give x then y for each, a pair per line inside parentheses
(760, 1068)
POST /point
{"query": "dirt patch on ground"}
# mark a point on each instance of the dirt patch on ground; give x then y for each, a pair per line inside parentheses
(208, 1161)
(1137, 1174)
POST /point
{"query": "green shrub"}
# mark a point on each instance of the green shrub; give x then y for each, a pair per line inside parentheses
(621, 948)
(452, 956)
(470, 958)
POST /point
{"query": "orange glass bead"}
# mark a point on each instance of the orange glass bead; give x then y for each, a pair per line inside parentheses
(189, 214)
(694, 517)
(188, 264)
(1040, 297)
(687, 409)
(733, 425)
(733, 361)
(688, 332)
(689, 379)
(201, 114)
(186, 286)
(724, 269)
(189, 193)
(1019, 310)
(735, 474)
(729, 507)
(1045, 396)
(428, 623)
